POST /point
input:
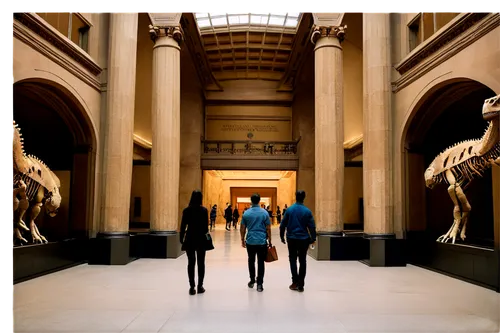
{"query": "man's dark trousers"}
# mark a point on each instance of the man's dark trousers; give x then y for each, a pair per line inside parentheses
(298, 248)
(261, 252)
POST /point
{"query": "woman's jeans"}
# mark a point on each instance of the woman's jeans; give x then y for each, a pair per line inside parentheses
(201, 266)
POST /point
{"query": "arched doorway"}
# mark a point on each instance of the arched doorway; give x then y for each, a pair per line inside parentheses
(448, 114)
(57, 130)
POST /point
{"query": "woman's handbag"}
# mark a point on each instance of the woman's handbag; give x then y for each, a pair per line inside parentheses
(209, 245)
(272, 255)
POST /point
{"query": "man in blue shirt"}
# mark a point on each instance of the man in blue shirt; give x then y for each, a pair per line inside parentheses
(300, 232)
(256, 220)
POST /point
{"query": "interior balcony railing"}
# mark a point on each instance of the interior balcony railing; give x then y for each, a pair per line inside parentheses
(249, 154)
(250, 147)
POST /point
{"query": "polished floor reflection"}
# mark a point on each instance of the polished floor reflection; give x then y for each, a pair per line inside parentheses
(152, 296)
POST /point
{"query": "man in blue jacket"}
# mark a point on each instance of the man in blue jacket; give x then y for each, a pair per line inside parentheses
(300, 232)
(256, 221)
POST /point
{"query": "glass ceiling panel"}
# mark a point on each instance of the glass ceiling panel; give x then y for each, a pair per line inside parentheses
(208, 21)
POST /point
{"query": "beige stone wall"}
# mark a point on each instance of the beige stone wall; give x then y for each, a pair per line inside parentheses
(353, 90)
(286, 191)
(31, 63)
(479, 61)
(140, 189)
(212, 194)
(143, 88)
(234, 122)
(303, 126)
(192, 106)
(353, 191)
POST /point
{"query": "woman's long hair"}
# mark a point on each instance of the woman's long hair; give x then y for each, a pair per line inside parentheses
(196, 198)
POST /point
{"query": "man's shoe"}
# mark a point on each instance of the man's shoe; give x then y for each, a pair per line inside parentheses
(192, 291)
(201, 290)
(250, 284)
(300, 289)
(293, 286)
(260, 288)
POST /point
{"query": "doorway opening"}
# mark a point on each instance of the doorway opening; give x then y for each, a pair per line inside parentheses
(234, 187)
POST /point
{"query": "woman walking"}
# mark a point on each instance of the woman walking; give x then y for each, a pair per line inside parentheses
(228, 215)
(236, 216)
(278, 215)
(195, 218)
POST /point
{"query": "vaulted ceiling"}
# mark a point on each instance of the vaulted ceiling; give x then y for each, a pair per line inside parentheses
(239, 46)
(248, 46)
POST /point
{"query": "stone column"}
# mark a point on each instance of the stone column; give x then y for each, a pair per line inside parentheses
(377, 139)
(377, 143)
(165, 124)
(329, 130)
(118, 141)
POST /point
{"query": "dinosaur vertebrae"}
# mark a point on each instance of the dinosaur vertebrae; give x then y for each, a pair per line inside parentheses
(467, 170)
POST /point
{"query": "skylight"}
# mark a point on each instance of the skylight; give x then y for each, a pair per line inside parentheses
(208, 21)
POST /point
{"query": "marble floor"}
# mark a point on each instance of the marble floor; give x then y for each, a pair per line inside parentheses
(151, 295)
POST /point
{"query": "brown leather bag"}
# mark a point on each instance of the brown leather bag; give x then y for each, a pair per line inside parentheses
(272, 255)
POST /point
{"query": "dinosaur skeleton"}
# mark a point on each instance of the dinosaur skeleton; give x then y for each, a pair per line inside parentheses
(34, 183)
(458, 165)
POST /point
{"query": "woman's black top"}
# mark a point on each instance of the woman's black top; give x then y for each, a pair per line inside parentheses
(195, 218)
(228, 214)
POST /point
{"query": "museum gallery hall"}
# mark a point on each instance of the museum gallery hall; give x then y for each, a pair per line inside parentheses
(388, 122)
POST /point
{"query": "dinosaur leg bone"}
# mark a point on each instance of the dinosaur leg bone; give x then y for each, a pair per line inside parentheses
(21, 205)
(35, 234)
(19, 235)
(35, 210)
(461, 210)
(18, 222)
(444, 238)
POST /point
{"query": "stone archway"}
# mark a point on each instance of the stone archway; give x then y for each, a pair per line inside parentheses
(447, 114)
(57, 129)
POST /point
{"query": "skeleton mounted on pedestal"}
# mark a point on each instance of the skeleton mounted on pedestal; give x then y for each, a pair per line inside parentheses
(458, 165)
(35, 184)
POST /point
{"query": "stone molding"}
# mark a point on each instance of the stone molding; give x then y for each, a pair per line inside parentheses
(158, 31)
(29, 27)
(36, 24)
(458, 35)
(328, 31)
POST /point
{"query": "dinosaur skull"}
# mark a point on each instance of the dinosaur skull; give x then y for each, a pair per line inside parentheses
(53, 202)
(430, 182)
(491, 108)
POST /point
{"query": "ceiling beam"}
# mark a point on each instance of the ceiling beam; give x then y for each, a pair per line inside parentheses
(194, 43)
(244, 62)
(301, 48)
(245, 28)
(256, 46)
(240, 75)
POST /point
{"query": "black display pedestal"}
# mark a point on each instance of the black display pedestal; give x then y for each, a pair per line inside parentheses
(31, 261)
(110, 249)
(157, 245)
(340, 246)
(385, 251)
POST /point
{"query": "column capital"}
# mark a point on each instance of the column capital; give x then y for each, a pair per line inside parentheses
(157, 31)
(336, 31)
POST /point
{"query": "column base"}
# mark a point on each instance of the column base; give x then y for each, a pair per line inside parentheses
(156, 245)
(350, 246)
(110, 249)
(385, 251)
